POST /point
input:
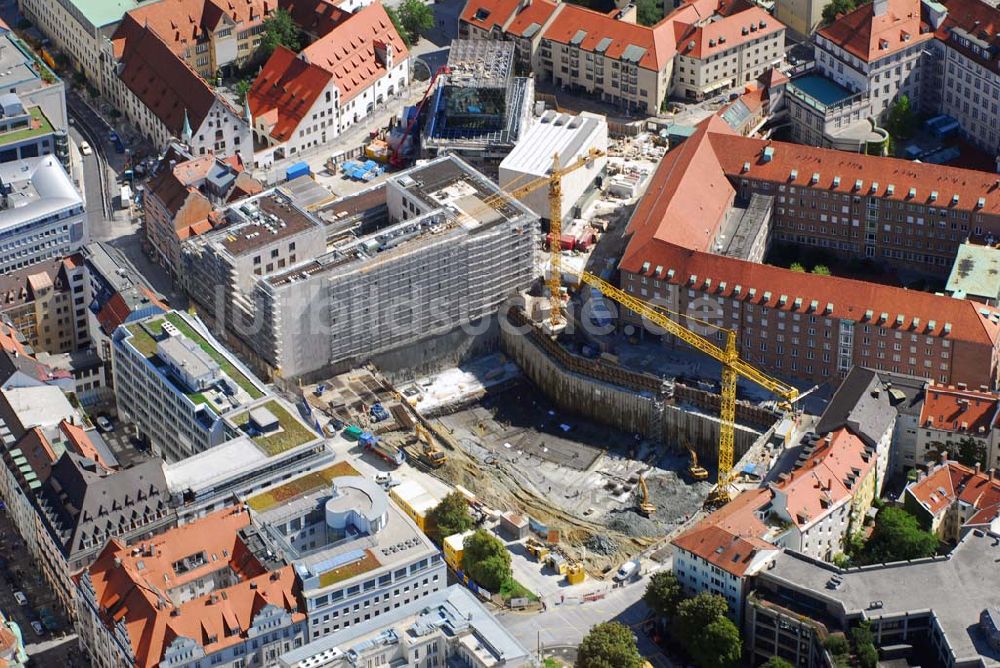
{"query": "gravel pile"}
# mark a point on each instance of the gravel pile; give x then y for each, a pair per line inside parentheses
(601, 544)
(635, 525)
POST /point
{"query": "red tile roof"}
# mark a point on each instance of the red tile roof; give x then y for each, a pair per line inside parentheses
(113, 313)
(165, 84)
(315, 17)
(718, 36)
(830, 475)
(572, 19)
(494, 12)
(140, 598)
(871, 37)
(81, 443)
(731, 536)
(285, 91)
(952, 482)
(734, 151)
(976, 18)
(674, 222)
(184, 23)
(951, 409)
(539, 11)
(349, 50)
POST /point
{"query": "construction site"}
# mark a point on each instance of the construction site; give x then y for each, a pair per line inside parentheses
(479, 109)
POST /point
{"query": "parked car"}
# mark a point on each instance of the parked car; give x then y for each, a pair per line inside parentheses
(39, 629)
(85, 148)
(20, 598)
(104, 424)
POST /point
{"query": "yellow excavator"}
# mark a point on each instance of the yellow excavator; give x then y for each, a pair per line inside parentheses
(646, 507)
(694, 470)
(427, 451)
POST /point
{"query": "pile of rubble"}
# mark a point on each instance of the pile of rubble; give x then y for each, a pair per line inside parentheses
(601, 544)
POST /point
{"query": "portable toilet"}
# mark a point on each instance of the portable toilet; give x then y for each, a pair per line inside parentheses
(575, 574)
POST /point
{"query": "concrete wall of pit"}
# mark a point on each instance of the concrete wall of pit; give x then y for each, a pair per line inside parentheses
(627, 400)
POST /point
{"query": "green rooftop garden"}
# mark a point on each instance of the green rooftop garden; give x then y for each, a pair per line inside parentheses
(227, 368)
(293, 433)
(299, 486)
(39, 126)
(348, 571)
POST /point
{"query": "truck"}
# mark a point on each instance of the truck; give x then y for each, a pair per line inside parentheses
(386, 451)
(630, 570)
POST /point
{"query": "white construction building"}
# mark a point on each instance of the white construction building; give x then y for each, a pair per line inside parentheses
(569, 137)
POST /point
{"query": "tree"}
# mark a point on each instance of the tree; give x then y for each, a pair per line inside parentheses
(608, 645)
(663, 593)
(797, 266)
(835, 8)
(837, 645)
(968, 451)
(717, 645)
(821, 270)
(697, 612)
(901, 121)
(897, 537)
(398, 24)
(279, 29)
(776, 662)
(648, 12)
(243, 87)
(449, 517)
(486, 560)
(864, 645)
(416, 17)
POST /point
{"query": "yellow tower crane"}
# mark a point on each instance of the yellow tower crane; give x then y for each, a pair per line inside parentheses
(732, 368)
(554, 182)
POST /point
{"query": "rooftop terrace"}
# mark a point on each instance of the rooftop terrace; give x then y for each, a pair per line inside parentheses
(291, 431)
(144, 336)
(311, 482)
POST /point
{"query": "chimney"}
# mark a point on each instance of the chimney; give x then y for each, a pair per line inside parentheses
(979, 468)
(944, 456)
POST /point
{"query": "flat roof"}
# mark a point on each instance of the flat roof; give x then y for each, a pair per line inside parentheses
(976, 272)
(39, 187)
(455, 608)
(42, 406)
(825, 91)
(555, 133)
(261, 220)
(102, 13)
(16, 66)
(950, 588)
(291, 431)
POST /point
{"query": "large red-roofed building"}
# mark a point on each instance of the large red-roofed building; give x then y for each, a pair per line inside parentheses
(702, 48)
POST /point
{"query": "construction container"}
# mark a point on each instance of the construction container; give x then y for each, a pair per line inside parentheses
(352, 433)
(514, 526)
(297, 170)
(377, 149)
(557, 562)
(415, 501)
(454, 549)
(575, 574)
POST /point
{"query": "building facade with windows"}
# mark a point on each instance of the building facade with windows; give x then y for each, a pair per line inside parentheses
(701, 48)
(357, 556)
(197, 595)
(47, 303)
(809, 325)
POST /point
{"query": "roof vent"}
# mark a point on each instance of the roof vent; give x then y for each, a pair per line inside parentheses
(836, 182)
(890, 189)
(815, 178)
(933, 195)
(768, 154)
(711, 42)
(858, 184)
(912, 193)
